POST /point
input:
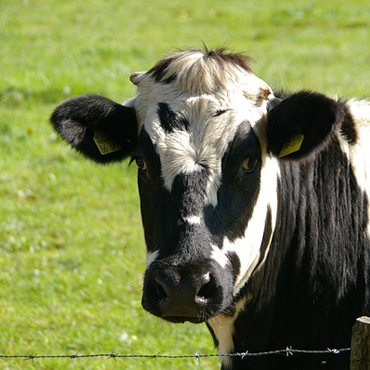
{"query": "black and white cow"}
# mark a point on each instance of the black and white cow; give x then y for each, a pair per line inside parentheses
(256, 210)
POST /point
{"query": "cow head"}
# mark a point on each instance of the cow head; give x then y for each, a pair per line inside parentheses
(206, 135)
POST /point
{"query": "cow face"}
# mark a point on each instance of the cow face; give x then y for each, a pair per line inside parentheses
(206, 135)
(200, 166)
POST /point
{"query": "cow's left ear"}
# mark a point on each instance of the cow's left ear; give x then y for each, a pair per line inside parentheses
(302, 123)
(97, 127)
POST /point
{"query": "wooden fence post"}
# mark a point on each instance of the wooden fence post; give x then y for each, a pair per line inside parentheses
(360, 344)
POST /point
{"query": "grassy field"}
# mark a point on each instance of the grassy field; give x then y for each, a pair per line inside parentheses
(72, 255)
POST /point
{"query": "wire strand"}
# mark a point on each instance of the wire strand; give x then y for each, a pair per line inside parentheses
(288, 351)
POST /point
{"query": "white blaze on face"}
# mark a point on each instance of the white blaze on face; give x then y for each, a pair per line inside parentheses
(358, 154)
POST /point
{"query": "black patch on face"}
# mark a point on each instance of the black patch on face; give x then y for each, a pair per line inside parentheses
(189, 193)
(178, 237)
(169, 120)
(153, 196)
(239, 189)
(148, 153)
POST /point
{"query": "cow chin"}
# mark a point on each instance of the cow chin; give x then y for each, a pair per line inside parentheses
(193, 293)
(184, 316)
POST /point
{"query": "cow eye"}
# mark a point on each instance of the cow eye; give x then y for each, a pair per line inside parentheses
(249, 165)
(140, 163)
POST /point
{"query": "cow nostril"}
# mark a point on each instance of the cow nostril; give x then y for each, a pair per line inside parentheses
(161, 294)
(160, 291)
(207, 291)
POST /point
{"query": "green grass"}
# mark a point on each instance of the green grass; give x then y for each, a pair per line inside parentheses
(71, 246)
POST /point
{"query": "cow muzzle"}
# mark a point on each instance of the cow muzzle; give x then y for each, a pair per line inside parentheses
(183, 293)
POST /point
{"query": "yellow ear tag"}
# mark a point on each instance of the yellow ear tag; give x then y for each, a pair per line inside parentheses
(292, 145)
(104, 144)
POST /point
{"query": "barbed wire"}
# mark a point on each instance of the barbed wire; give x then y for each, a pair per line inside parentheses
(288, 351)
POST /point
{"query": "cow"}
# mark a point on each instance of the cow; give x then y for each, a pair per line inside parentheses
(255, 204)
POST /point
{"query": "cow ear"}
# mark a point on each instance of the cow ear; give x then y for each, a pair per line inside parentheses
(302, 124)
(97, 127)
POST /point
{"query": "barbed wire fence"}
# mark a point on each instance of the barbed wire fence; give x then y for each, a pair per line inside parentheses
(288, 351)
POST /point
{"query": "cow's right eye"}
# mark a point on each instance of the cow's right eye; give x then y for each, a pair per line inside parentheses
(140, 163)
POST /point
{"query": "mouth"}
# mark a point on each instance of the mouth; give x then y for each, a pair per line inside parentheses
(179, 315)
(183, 319)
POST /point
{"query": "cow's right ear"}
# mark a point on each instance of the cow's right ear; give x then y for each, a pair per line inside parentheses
(97, 127)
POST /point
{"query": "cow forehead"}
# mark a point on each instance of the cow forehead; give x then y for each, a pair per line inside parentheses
(225, 80)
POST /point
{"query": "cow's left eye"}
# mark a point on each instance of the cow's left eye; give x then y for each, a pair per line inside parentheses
(249, 164)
